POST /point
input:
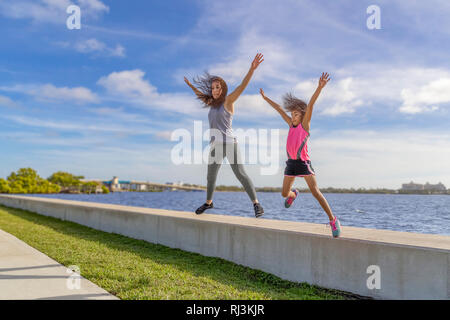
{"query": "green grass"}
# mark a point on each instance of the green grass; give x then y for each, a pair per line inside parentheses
(136, 269)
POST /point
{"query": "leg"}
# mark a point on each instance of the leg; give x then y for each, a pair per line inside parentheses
(287, 187)
(234, 158)
(213, 170)
(312, 184)
(214, 163)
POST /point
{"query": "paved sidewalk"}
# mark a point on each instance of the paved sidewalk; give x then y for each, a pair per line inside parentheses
(26, 273)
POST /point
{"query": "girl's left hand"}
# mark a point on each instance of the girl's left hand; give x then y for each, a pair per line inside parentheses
(324, 80)
(262, 93)
(258, 59)
(187, 82)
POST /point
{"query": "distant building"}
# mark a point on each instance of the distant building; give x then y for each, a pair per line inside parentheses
(117, 185)
(174, 184)
(412, 186)
(178, 183)
(138, 187)
(423, 187)
(434, 187)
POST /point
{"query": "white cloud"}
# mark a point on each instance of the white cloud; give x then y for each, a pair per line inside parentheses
(89, 45)
(165, 135)
(118, 51)
(51, 93)
(54, 139)
(7, 102)
(407, 90)
(410, 90)
(427, 97)
(128, 83)
(381, 158)
(421, 17)
(252, 106)
(291, 37)
(93, 5)
(127, 87)
(342, 95)
(49, 11)
(131, 87)
(122, 115)
(277, 65)
(79, 126)
(95, 46)
(77, 94)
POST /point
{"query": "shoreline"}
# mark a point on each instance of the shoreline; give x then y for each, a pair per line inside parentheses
(259, 191)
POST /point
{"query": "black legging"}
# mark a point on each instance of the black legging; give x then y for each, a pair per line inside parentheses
(216, 155)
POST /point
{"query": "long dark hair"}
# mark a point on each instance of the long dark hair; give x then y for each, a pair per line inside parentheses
(204, 84)
(292, 103)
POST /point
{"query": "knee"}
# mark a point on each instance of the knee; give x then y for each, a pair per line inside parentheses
(316, 193)
(243, 177)
(239, 172)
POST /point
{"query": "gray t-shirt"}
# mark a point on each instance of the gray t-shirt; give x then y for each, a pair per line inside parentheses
(221, 120)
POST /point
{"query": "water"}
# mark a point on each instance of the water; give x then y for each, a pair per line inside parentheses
(410, 213)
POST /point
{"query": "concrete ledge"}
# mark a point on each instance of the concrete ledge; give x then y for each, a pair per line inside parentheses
(412, 266)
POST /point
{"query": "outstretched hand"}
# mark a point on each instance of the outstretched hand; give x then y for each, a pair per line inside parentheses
(262, 93)
(187, 82)
(324, 80)
(258, 59)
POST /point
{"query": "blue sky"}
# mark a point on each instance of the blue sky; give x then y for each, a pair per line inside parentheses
(103, 101)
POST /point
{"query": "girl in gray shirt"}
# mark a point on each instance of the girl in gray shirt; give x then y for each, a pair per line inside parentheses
(212, 91)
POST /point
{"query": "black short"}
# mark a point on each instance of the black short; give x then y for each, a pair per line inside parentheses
(298, 168)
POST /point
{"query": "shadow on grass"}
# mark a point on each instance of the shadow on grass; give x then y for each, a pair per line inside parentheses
(217, 269)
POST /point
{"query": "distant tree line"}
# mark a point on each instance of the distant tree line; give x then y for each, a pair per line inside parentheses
(27, 181)
(336, 190)
(306, 190)
(424, 191)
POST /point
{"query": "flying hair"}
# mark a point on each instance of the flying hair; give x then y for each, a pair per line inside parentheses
(291, 103)
(204, 85)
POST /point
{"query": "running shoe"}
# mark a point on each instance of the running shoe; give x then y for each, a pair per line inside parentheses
(335, 227)
(259, 211)
(289, 201)
(204, 207)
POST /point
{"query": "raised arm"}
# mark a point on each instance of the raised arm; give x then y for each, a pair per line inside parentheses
(196, 91)
(307, 118)
(277, 107)
(232, 97)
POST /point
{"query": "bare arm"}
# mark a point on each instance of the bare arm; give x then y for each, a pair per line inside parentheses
(196, 91)
(309, 110)
(278, 108)
(232, 97)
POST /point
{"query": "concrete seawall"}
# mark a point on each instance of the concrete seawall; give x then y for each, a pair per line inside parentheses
(405, 265)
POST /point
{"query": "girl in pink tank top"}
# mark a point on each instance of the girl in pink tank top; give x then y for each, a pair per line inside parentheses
(297, 143)
(299, 163)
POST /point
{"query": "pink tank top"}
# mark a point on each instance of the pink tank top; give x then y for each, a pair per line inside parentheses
(297, 143)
